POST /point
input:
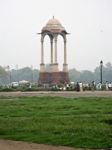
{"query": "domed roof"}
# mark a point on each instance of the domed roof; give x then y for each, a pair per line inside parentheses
(53, 25)
(53, 21)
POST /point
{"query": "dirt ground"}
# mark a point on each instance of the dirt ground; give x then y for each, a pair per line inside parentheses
(16, 145)
(66, 94)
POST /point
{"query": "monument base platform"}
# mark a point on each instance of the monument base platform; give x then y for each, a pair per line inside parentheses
(52, 78)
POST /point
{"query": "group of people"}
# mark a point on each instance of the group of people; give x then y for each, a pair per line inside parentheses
(79, 86)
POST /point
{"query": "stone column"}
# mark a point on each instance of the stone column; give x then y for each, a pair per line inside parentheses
(65, 53)
(65, 65)
(51, 65)
(51, 50)
(42, 66)
(42, 52)
(56, 50)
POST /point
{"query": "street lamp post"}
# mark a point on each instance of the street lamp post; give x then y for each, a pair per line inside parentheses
(101, 66)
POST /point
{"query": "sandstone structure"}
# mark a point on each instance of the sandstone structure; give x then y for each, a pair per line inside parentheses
(53, 76)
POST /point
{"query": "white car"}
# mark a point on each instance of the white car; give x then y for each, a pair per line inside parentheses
(14, 84)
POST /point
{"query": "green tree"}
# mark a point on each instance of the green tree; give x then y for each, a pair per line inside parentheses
(3, 75)
(87, 76)
(74, 75)
(25, 73)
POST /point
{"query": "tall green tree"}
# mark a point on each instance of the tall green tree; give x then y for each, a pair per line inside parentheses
(87, 76)
(3, 75)
(74, 75)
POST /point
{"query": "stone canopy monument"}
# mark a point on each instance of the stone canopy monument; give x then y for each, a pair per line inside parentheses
(53, 76)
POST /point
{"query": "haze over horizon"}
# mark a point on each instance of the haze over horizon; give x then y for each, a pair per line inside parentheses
(89, 23)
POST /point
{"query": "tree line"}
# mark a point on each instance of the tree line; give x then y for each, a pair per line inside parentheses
(32, 75)
(89, 76)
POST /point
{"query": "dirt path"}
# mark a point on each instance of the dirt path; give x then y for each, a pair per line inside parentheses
(16, 145)
(67, 94)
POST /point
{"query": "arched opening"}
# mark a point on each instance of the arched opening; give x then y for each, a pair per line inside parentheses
(60, 52)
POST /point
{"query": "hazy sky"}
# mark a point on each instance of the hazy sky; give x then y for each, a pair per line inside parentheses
(89, 23)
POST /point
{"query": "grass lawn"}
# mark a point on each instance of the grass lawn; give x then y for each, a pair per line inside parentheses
(78, 122)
